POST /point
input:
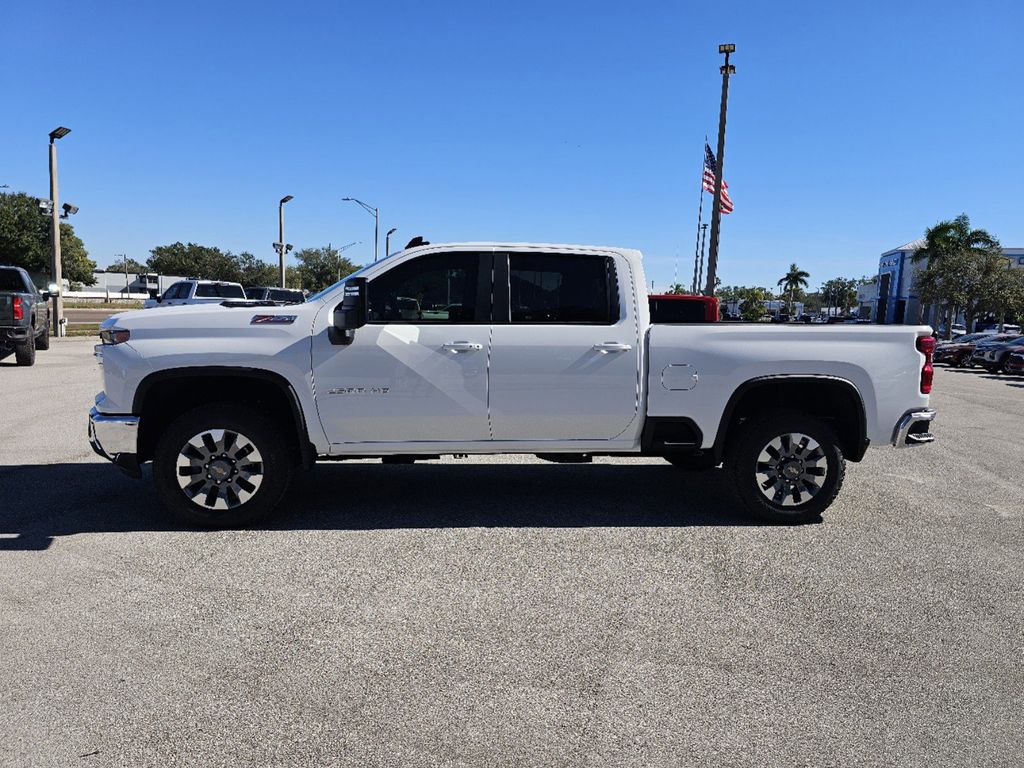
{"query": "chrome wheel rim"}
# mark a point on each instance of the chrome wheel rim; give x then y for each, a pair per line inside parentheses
(219, 469)
(791, 469)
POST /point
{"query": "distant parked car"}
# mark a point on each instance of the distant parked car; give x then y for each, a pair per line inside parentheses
(270, 293)
(1015, 363)
(196, 292)
(957, 353)
(992, 355)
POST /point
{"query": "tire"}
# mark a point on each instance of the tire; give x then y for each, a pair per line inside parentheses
(964, 361)
(692, 463)
(43, 339)
(25, 353)
(761, 482)
(249, 490)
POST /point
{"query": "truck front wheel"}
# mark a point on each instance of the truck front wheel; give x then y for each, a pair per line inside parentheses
(43, 339)
(785, 466)
(222, 465)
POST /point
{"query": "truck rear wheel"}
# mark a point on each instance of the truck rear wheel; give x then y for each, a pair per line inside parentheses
(785, 467)
(222, 465)
(25, 352)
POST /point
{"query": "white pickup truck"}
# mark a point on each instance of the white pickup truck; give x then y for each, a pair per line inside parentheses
(509, 348)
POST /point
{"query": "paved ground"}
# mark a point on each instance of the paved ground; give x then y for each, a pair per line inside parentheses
(500, 612)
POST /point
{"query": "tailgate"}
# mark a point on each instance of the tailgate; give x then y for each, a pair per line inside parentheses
(6, 309)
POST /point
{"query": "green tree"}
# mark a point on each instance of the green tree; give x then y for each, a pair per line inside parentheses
(321, 267)
(678, 289)
(839, 294)
(976, 284)
(794, 280)
(126, 264)
(752, 306)
(255, 271)
(962, 263)
(25, 241)
(192, 260)
(750, 301)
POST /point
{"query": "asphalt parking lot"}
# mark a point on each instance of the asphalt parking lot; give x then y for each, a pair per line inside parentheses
(505, 611)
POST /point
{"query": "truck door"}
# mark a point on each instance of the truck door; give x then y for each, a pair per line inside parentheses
(417, 372)
(565, 352)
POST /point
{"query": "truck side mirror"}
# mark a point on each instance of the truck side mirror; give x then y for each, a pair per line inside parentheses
(351, 313)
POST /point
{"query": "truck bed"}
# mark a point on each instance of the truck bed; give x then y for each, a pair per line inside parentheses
(696, 369)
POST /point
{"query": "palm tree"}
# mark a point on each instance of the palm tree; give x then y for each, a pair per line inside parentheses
(949, 240)
(793, 281)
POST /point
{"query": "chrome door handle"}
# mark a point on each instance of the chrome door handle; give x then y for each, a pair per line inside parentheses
(462, 346)
(612, 346)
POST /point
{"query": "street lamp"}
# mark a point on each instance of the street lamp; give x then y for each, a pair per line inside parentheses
(387, 241)
(376, 220)
(281, 246)
(55, 265)
(342, 250)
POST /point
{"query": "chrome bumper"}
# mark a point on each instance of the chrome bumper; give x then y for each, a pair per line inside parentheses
(912, 428)
(115, 438)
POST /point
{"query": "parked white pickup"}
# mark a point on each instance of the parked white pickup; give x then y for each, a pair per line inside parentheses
(196, 292)
(485, 348)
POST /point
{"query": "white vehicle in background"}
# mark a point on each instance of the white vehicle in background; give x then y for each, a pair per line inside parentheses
(490, 348)
(197, 292)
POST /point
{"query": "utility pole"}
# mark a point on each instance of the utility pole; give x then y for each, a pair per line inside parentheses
(55, 265)
(716, 211)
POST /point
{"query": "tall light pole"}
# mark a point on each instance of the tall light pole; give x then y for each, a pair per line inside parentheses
(716, 212)
(281, 246)
(342, 250)
(55, 265)
(376, 220)
(387, 240)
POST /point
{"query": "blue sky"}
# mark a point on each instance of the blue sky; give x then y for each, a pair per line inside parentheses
(852, 126)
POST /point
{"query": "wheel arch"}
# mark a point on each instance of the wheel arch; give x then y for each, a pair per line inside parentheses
(162, 396)
(831, 398)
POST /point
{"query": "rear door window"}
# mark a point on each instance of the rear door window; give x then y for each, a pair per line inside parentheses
(562, 289)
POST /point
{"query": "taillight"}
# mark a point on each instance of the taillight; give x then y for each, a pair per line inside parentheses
(926, 344)
(19, 311)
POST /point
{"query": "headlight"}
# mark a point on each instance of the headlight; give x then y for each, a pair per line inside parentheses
(114, 335)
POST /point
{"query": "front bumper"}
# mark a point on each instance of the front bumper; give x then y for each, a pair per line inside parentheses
(912, 428)
(115, 438)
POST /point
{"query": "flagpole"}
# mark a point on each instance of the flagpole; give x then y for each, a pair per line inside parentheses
(700, 212)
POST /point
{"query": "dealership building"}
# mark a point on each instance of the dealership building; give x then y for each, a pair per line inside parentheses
(896, 300)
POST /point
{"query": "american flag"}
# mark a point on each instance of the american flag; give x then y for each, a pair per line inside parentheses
(709, 179)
